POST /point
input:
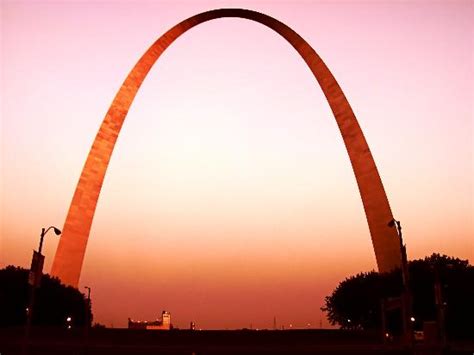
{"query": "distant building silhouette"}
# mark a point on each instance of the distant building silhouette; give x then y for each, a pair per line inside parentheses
(163, 324)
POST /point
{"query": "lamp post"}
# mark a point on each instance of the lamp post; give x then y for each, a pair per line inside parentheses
(406, 295)
(34, 280)
(57, 231)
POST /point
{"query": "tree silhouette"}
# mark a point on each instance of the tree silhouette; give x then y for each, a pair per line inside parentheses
(54, 301)
(356, 301)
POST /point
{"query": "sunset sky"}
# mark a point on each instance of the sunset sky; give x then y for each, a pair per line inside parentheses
(230, 198)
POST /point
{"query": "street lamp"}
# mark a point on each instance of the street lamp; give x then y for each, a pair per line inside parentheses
(403, 251)
(406, 296)
(57, 231)
(38, 260)
(34, 280)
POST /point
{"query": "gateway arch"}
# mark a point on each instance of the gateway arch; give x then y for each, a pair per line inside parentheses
(71, 249)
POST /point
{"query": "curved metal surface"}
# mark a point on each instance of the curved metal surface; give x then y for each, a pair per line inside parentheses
(71, 249)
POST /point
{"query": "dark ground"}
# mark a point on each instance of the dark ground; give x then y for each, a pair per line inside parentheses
(51, 341)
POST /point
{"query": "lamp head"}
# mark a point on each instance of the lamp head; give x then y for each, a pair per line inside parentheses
(57, 231)
(391, 223)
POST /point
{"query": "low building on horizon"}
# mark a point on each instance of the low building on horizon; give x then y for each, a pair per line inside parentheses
(163, 324)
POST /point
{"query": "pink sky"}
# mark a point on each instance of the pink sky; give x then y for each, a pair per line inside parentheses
(230, 198)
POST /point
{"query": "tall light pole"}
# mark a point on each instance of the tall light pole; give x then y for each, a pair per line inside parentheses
(406, 295)
(57, 231)
(34, 279)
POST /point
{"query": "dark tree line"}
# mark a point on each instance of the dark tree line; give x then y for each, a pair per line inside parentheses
(54, 302)
(356, 301)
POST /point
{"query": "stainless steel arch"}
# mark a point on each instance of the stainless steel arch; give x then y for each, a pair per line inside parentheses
(72, 246)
